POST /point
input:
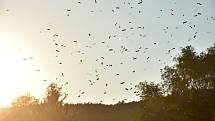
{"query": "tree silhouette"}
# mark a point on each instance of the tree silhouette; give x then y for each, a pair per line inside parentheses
(188, 89)
(54, 95)
(148, 90)
(25, 100)
(191, 71)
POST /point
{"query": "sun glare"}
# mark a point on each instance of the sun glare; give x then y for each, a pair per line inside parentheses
(14, 73)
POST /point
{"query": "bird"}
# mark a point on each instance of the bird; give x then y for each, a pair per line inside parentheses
(184, 22)
(68, 9)
(141, 1)
(110, 49)
(199, 3)
(134, 58)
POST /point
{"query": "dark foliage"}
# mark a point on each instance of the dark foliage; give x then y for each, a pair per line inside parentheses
(188, 89)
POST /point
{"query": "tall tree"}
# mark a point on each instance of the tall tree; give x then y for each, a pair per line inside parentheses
(188, 89)
(54, 95)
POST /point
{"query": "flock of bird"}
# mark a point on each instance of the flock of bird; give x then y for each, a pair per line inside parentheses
(123, 34)
(123, 49)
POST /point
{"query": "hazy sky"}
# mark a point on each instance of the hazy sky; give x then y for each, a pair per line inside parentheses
(73, 41)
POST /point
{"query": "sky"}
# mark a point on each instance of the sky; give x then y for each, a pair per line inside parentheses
(91, 46)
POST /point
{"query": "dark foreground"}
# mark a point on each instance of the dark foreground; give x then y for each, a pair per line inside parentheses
(71, 112)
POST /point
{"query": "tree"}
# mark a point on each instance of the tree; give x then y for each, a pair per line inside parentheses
(148, 90)
(192, 71)
(25, 101)
(191, 82)
(188, 89)
(54, 95)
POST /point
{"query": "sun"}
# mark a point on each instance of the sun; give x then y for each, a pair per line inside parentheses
(14, 73)
(11, 75)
